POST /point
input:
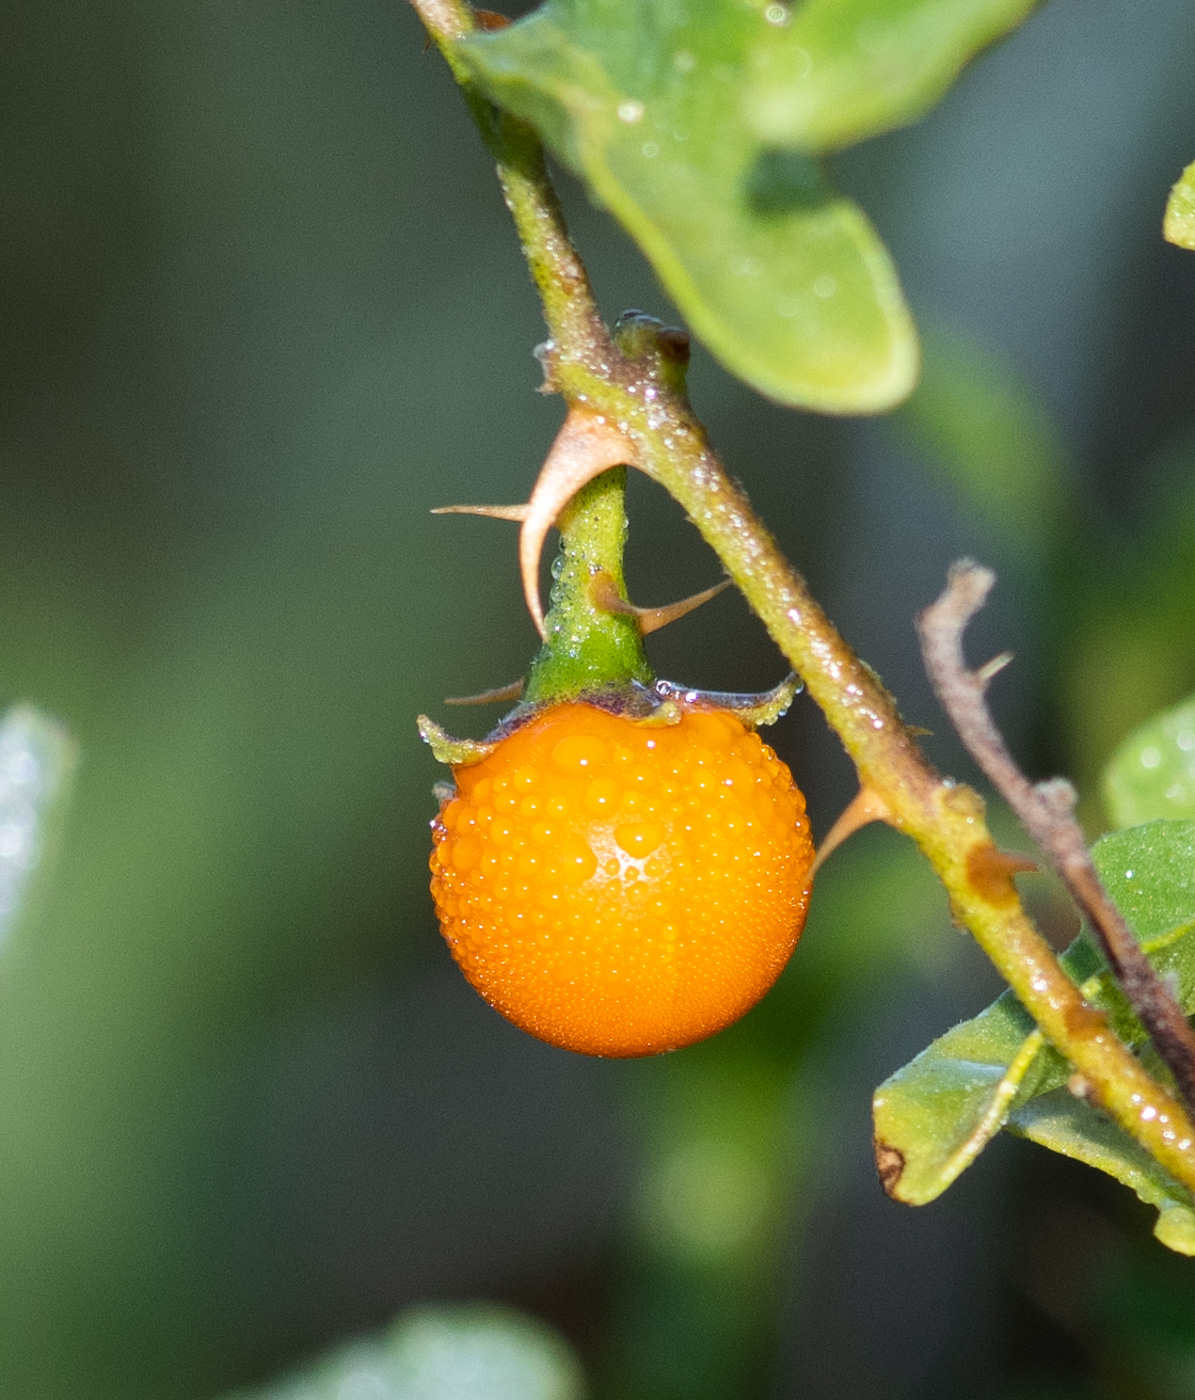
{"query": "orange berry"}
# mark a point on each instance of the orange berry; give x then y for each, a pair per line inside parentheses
(649, 896)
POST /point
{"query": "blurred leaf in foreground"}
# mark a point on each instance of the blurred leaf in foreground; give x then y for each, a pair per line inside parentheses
(37, 761)
(934, 1116)
(986, 430)
(1178, 224)
(1152, 774)
(452, 1352)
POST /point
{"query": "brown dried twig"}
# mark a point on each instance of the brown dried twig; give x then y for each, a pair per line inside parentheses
(1046, 810)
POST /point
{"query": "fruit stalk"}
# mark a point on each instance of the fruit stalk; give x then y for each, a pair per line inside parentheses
(587, 646)
(945, 819)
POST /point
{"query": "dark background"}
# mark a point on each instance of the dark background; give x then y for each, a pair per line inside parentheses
(260, 309)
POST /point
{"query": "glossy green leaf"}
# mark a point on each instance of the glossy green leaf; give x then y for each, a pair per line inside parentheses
(837, 71)
(699, 128)
(783, 279)
(466, 1351)
(37, 762)
(1152, 774)
(1178, 225)
(934, 1116)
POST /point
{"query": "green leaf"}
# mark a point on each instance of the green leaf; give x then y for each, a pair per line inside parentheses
(1062, 1123)
(842, 70)
(934, 1116)
(1178, 225)
(469, 1351)
(37, 763)
(784, 280)
(699, 128)
(1149, 871)
(1152, 774)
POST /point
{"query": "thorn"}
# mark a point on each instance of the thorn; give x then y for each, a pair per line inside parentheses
(865, 807)
(494, 512)
(488, 697)
(993, 667)
(585, 447)
(607, 597)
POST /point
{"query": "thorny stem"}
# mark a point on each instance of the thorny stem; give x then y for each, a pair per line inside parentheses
(1046, 810)
(558, 272)
(945, 819)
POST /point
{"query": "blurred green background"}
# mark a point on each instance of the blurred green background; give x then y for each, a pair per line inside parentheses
(260, 310)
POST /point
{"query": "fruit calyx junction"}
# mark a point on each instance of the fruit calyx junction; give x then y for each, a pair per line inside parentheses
(662, 702)
(619, 887)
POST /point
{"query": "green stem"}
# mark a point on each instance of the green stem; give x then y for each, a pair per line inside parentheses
(945, 819)
(558, 272)
(587, 647)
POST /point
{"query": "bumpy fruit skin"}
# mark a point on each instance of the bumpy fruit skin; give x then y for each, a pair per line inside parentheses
(621, 889)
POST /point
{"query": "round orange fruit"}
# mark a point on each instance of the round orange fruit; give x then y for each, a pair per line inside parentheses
(618, 888)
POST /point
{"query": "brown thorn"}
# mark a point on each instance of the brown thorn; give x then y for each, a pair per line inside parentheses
(607, 597)
(865, 807)
(585, 446)
(494, 512)
(488, 697)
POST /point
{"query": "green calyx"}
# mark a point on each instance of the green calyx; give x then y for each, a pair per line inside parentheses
(589, 647)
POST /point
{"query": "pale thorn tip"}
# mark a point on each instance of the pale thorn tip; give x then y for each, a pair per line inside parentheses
(488, 697)
(865, 807)
(494, 512)
(606, 597)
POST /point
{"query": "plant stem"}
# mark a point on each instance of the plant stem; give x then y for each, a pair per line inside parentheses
(1047, 812)
(558, 272)
(588, 647)
(945, 819)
